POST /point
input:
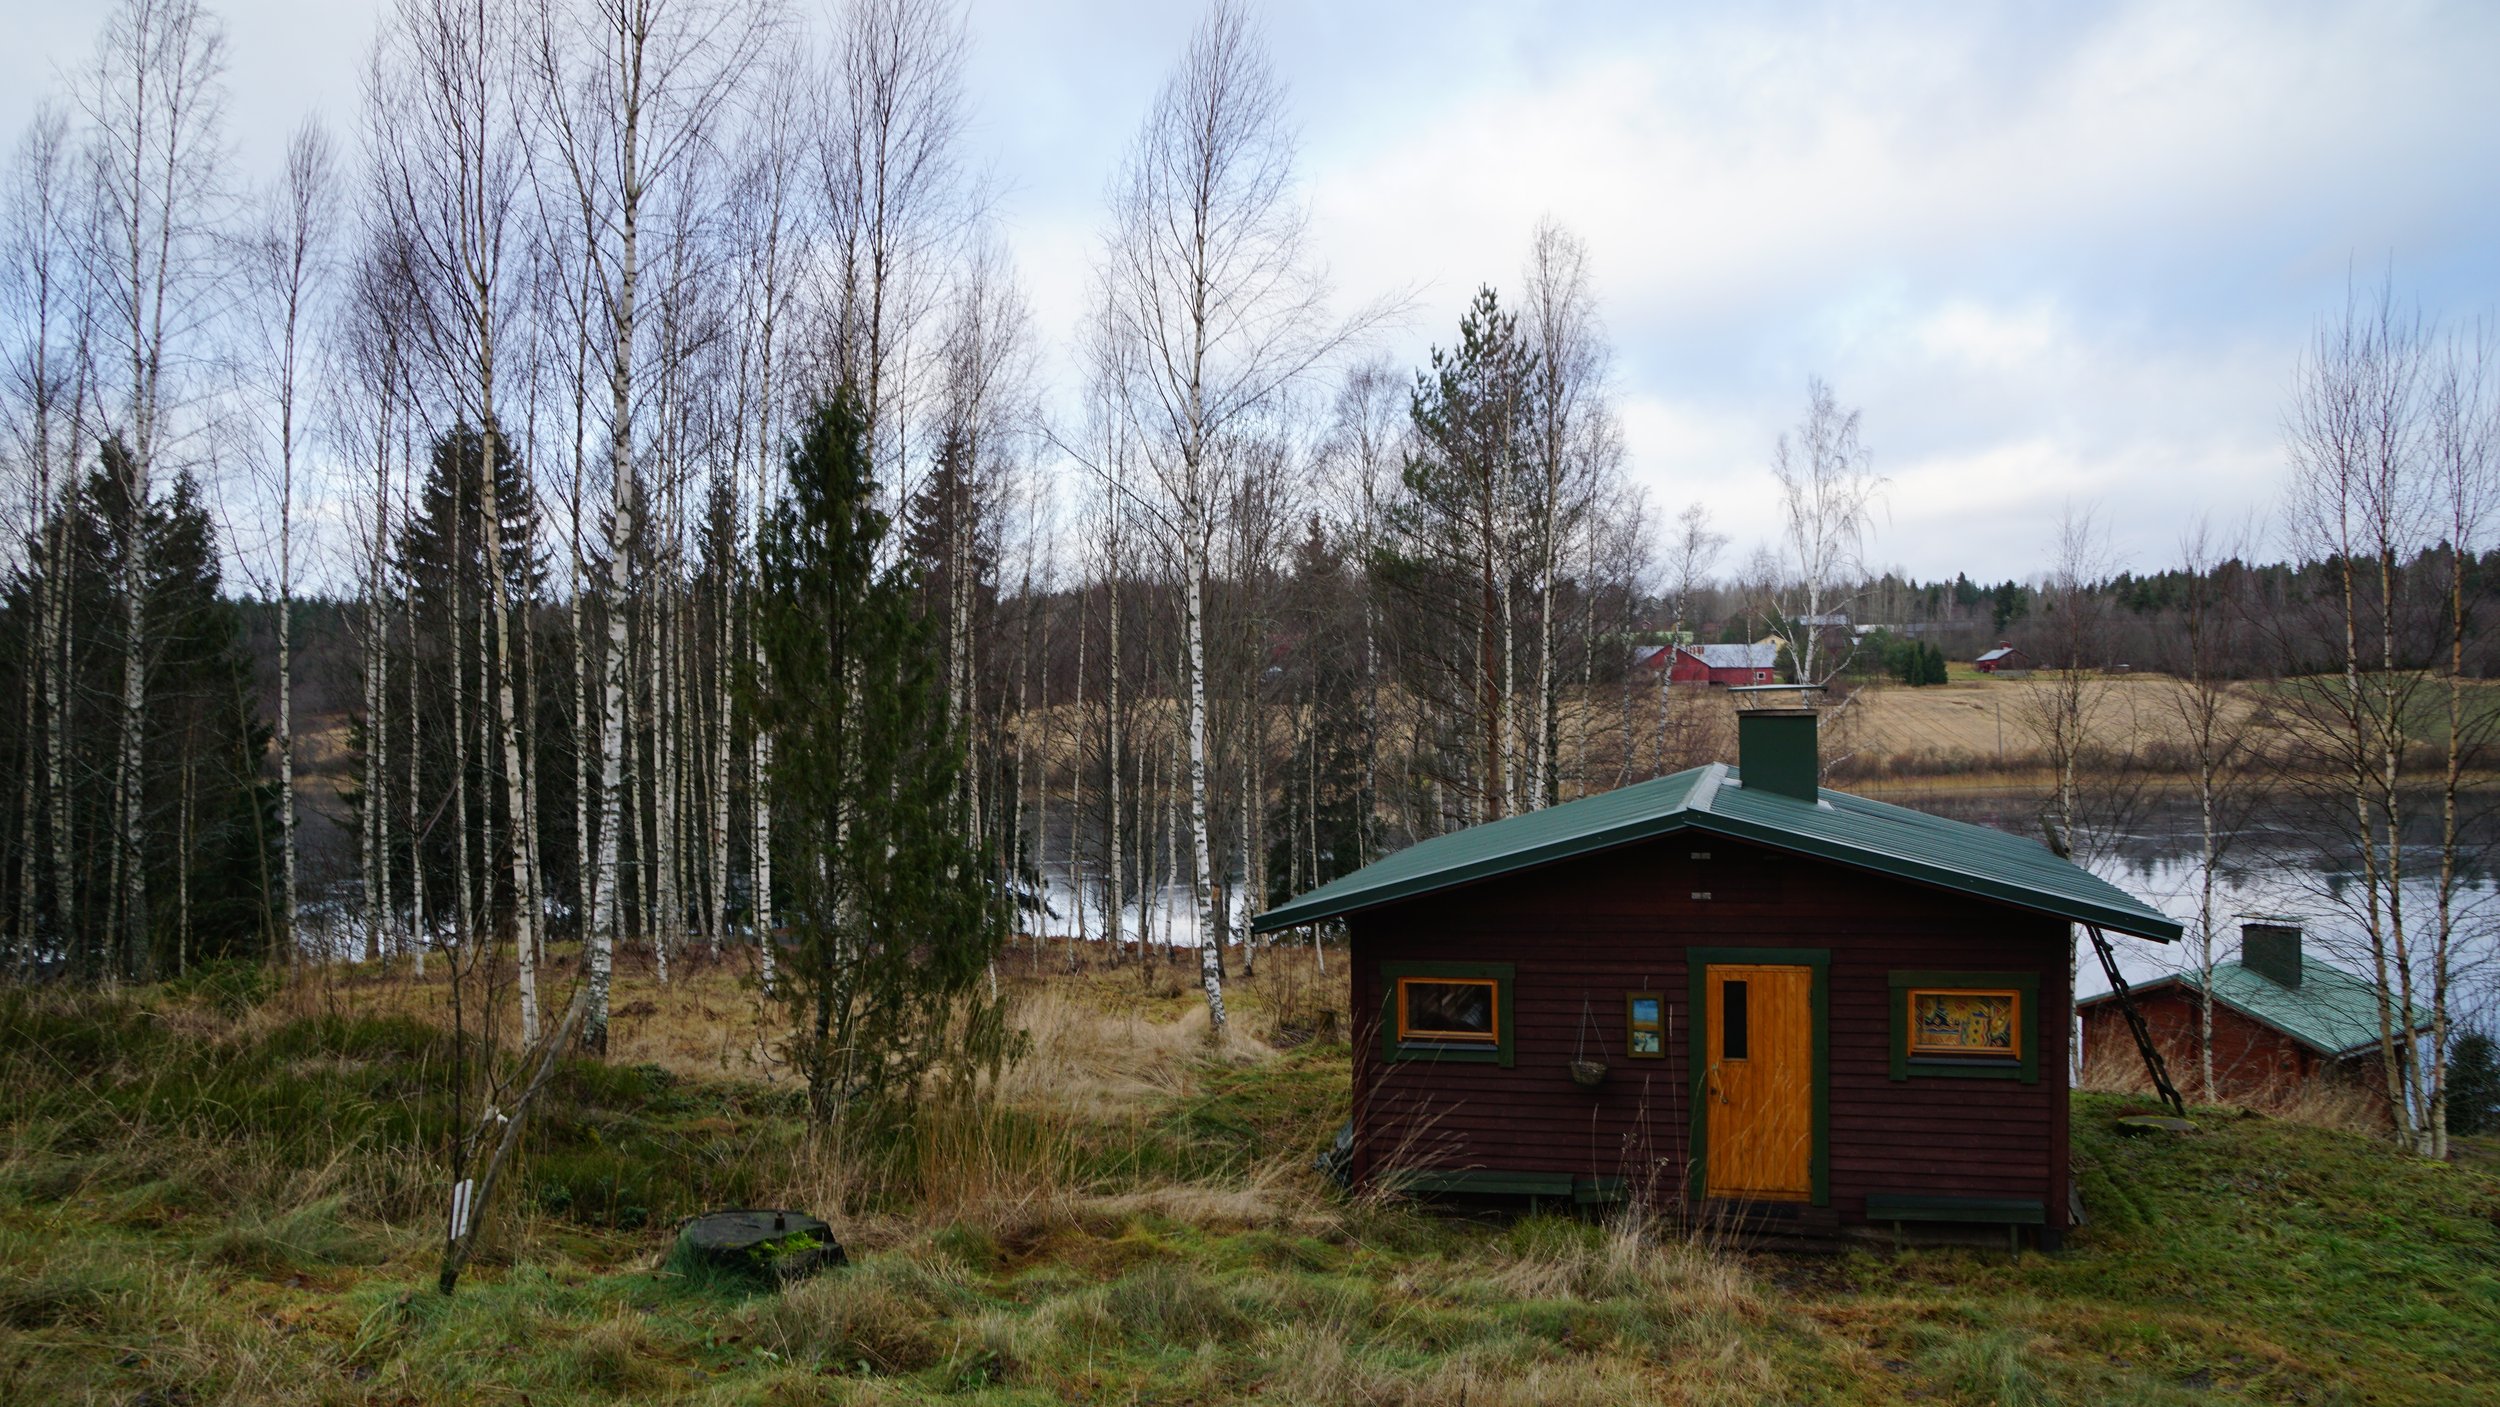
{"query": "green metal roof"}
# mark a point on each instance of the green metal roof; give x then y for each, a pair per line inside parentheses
(2332, 1011)
(1847, 830)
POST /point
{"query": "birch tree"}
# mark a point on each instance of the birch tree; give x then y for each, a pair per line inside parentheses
(2462, 444)
(2358, 504)
(48, 384)
(1206, 274)
(286, 264)
(2209, 650)
(453, 164)
(1828, 493)
(896, 205)
(1575, 444)
(153, 105)
(620, 125)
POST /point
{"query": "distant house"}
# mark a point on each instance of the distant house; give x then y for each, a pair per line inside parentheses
(2005, 660)
(1756, 663)
(2281, 1019)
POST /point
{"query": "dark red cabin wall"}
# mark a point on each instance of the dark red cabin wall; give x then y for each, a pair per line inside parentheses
(1583, 933)
(2250, 1058)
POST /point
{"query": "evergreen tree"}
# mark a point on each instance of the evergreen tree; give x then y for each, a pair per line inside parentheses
(207, 809)
(891, 918)
(2473, 1084)
(442, 554)
(1454, 550)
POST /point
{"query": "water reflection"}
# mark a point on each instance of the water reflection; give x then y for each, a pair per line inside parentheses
(2292, 857)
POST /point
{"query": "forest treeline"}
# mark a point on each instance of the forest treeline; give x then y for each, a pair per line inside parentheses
(413, 557)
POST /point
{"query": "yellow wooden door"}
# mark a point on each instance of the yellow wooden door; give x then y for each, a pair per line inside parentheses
(1759, 1081)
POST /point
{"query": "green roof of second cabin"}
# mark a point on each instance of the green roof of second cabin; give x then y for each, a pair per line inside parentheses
(1846, 830)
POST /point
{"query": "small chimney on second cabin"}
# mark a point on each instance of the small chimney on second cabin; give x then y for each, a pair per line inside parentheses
(1776, 752)
(2270, 947)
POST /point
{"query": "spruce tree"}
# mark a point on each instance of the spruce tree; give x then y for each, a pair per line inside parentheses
(891, 920)
(207, 806)
(2473, 1085)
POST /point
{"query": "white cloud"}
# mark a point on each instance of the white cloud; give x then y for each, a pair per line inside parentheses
(2052, 252)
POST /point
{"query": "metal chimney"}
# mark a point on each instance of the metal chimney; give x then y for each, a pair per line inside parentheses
(2270, 947)
(1777, 751)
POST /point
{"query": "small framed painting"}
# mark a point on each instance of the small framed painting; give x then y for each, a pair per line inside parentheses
(1645, 1024)
(1965, 1023)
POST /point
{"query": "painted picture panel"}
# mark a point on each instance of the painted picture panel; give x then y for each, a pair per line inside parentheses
(1965, 1022)
(1645, 1020)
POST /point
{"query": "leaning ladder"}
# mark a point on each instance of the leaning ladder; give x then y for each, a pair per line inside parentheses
(2153, 1063)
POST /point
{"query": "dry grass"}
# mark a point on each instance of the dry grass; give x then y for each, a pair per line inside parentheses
(2324, 1102)
(1128, 1215)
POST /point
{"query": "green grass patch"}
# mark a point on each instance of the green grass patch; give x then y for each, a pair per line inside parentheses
(246, 1212)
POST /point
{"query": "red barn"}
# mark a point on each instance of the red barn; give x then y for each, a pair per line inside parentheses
(2281, 1019)
(1727, 991)
(1756, 663)
(2004, 659)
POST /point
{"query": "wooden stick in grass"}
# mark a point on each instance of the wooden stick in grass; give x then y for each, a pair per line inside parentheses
(469, 1214)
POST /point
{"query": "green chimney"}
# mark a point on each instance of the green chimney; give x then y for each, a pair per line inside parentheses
(2271, 949)
(1775, 752)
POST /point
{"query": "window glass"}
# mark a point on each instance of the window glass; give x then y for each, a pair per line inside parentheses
(1734, 1039)
(1447, 1009)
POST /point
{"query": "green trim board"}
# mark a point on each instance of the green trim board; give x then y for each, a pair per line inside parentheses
(2026, 1068)
(1582, 1188)
(1697, 964)
(1847, 830)
(1501, 974)
(1481, 1181)
(2003, 1211)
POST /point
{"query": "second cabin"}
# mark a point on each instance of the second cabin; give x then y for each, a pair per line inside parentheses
(1729, 990)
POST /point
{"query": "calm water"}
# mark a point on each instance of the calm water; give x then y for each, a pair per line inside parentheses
(2281, 861)
(2285, 859)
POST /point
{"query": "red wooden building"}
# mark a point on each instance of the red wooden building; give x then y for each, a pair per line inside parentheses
(1756, 663)
(2281, 1019)
(1726, 989)
(2004, 659)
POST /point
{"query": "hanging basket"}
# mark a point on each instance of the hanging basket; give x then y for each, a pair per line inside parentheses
(1588, 1074)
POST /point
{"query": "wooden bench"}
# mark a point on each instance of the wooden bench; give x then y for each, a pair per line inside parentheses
(2012, 1213)
(1538, 1187)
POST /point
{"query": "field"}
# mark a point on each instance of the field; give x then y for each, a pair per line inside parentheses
(219, 1192)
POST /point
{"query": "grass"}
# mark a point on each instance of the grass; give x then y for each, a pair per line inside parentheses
(222, 1193)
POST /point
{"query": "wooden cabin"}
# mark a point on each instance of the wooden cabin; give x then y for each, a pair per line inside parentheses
(2281, 1020)
(1727, 990)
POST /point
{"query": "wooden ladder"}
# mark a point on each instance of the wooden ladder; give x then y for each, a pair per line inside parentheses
(2153, 1063)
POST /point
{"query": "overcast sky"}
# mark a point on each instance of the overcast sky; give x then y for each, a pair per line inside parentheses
(2056, 253)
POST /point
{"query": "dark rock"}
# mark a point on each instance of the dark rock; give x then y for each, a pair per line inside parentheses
(774, 1244)
(2142, 1125)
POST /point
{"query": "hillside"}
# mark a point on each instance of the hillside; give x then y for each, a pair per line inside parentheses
(217, 1193)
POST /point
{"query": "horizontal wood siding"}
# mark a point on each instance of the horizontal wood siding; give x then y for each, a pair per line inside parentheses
(2251, 1059)
(1583, 933)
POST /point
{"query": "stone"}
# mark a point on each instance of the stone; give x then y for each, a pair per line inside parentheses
(774, 1244)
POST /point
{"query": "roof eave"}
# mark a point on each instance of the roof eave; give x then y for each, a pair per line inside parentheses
(1302, 911)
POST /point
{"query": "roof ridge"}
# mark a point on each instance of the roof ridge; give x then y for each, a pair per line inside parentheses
(1706, 787)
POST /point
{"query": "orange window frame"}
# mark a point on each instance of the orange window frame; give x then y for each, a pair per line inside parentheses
(2011, 1055)
(1408, 1031)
